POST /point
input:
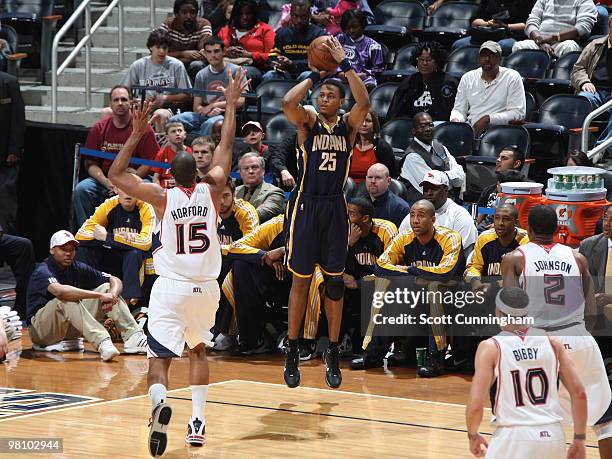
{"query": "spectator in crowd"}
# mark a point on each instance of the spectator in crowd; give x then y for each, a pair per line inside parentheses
(265, 197)
(509, 175)
(492, 245)
(248, 41)
(429, 90)
(490, 94)
(109, 135)
(176, 135)
(12, 117)
(67, 299)
(253, 135)
(364, 53)
(217, 12)
(159, 69)
(208, 109)
(387, 205)
(578, 158)
(370, 149)
(425, 154)
(18, 253)
(336, 12)
(283, 161)
(591, 77)
(288, 58)
(203, 149)
(258, 275)
(501, 18)
(117, 239)
(509, 158)
(369, 238)
(556, 26)
(186, 32)
(5, 49)
(215, 133)
(432, 253)
(448, 213)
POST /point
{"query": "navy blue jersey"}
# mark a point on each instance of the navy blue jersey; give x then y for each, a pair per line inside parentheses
(324, 159)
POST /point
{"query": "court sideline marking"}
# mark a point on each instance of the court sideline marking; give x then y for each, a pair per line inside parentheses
(105, 402)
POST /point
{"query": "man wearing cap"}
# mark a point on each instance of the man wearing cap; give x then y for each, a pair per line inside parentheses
(66, 299)
(449, 214)
(253, 135)
(425, 154)
(268, 199)
(490, 94)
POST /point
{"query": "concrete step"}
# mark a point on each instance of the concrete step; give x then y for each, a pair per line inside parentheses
(108, 57)
(105, 77)
(66, 96)
(65, 115)
(147, 3)
(134, 16)
(108, 37)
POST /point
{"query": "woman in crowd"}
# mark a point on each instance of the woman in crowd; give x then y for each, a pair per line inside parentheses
(247, 40)
(370, 149)
(429, 90)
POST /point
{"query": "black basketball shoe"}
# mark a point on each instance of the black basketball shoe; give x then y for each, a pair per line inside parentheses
(160, 418)
(292, 370)
(333, 376)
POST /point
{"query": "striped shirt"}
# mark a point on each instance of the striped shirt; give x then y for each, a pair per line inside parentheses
(553, 16)
(183, 41)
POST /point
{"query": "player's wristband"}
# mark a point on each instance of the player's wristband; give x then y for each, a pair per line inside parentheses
(345, 65)
(315, 77)
(579, 436)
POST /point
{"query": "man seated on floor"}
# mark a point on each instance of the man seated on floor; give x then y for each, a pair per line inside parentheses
(430, 253)
(67, 299)
(117, 239)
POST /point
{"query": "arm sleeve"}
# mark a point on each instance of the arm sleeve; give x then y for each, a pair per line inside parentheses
(452, 252)
(476, 264)
(254, 245)
(456, 175)
(99, 217)
(131, 77)
(389, 263)
(17, 130)
(247, 217)
(579, 75)
(272, 205)
(278, 154)
(90, 278)
(535, 18)
(261, 57)
(414, 169)
(461, 106)
(515, 102)
(144, 238)
(377, 60)
(586, 18)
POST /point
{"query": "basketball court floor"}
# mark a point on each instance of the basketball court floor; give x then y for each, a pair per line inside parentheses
(100, 410)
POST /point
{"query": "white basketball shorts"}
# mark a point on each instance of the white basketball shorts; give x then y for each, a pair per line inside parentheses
(536, 442)
(180, 312)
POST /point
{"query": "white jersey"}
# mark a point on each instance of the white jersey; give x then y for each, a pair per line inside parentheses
(190, 248)
(526, 379)
(552, 280)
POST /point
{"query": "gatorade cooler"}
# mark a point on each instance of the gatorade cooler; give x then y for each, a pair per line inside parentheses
(578, 196)
(522, 195)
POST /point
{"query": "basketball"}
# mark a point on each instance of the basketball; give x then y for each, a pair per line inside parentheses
(319, 56)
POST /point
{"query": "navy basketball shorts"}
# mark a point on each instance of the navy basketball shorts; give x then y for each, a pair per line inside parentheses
(317, 230)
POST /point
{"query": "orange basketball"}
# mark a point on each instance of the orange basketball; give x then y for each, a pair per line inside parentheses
(319, 56)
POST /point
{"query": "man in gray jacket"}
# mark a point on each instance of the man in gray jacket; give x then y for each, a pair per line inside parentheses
(268, 199)
(556, 25)
(592, 74)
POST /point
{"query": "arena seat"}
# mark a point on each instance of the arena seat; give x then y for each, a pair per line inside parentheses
(529, 63)
(395, 21)
(458, 138)
(558, 81)
(397, 132)
(449, 22)
(462, 60)
(380, 99)
(271, 94)
(13, 61)
(278, 129)
(499, 136)
(399, 189)
(402, 65)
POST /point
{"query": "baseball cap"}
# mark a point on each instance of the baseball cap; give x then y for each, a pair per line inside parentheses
(492, 46)
(252, 123)
(62, 237)
(435, 178)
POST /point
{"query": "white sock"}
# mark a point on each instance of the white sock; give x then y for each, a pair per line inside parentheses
(157, 392)
(198, 400)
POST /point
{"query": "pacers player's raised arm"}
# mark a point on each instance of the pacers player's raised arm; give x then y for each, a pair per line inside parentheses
(129, 183)
(222, 158)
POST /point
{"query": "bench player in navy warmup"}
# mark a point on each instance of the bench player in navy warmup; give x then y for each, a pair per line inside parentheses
(317, 218)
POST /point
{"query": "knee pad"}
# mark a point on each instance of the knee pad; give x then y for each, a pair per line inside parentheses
(334, 287)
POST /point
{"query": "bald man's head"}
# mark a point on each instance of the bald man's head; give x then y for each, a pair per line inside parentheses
(422, 218)
(184, 169)
(377, 180)
(426, 206)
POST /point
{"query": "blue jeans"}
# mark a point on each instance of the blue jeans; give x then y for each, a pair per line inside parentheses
(275, 75)
(200, 124)
(597, 100)
(87, 195)
(505, 43)
(601, 26)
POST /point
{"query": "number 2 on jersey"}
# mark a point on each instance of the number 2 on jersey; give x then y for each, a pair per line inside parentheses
(553, 290)
(328, 162)
(196, 231)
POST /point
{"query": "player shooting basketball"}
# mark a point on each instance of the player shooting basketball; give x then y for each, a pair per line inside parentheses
(317, 217)
(185, 296)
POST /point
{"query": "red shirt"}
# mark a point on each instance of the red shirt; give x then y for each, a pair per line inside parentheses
(166, 155)
(361, 162)
(259, 41)
(105, 136)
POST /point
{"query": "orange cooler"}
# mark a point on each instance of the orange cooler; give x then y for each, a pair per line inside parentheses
(522, 195)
